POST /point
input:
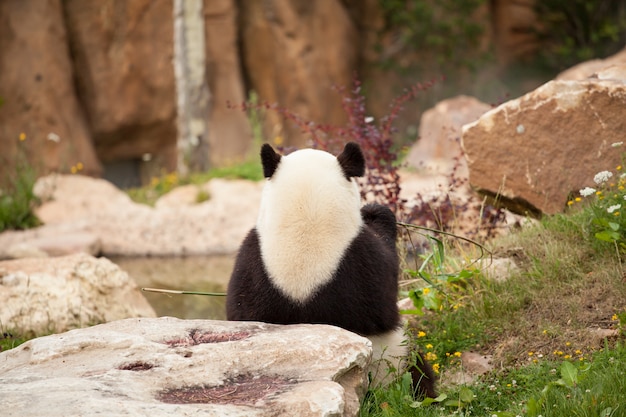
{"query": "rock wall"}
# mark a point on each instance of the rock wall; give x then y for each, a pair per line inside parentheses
(37, 90)
(99, 77)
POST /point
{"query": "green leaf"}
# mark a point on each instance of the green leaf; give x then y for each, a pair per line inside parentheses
(428, 401)
(533, 407)
(466, 395)
(569, 374)
(418, 302)
(606, 412)
(614, 226)
(607, 236)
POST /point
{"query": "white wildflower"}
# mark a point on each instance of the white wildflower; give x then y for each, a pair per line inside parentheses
(369, 119)
(602, 177)
(53, 137)
(617, 144)
(612, 208)
(587, 191)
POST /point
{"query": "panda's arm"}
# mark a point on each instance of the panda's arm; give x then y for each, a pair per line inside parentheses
(381, 220)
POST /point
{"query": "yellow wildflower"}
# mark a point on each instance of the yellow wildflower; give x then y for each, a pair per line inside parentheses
(457, 354)
(73, 169)
(429, 346)
(531, 353)
(425, 291)
(619, 167)
(569, 203)
(567, 356)
(568, 343)
(421, 334)
(436, 367)
(578, 199)
(430, 356)
(614, 317)
(79, 166)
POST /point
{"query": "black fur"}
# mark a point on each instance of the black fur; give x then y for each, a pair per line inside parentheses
(361, 298)
(352, 161)
(269, 159)
(362, 295)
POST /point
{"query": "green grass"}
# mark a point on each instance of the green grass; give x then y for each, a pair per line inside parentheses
(17, 199)
(159, 186)
(534, 324)
(10, 340)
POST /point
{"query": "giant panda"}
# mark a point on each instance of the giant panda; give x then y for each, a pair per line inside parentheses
(316, 256)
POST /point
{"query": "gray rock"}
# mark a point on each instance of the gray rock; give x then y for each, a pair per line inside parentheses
(44, 295)
(167, 366)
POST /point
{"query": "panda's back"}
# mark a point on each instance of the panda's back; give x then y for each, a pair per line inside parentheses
(360, 297)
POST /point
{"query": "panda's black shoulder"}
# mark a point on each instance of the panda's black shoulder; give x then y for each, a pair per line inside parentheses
(381, 221)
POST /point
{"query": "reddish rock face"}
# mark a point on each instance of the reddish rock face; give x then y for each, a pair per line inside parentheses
(122, 53)
(37, 92)
(535, 151)
(229, 131)
(294, 51)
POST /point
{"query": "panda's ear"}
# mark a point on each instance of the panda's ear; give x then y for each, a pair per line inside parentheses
(352, 161)
(269, 159)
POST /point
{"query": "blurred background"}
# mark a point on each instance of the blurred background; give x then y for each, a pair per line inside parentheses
(128, 89)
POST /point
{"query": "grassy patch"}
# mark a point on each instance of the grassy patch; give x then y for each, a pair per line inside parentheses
(10, 340)
(554, 329)
(160, 186)
(17, 199)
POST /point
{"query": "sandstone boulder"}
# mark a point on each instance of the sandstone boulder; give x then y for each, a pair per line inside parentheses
(533, 152)
(37, 95)
(167, 366)
(589, 68)
(57, 294)
(438, 147)
(178, 225)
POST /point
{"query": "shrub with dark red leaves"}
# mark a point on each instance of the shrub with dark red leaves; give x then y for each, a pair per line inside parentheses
(382, 181)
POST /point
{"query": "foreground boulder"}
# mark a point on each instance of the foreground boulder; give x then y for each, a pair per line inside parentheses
(534, 152)
(167, 367)
(44, 295)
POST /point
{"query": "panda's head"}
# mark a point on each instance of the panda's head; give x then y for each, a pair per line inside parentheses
(309, 215)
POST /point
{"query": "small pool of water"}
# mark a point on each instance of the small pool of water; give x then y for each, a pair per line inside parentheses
(194, 273)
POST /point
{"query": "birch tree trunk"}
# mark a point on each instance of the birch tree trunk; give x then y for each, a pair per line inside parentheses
(192, 91)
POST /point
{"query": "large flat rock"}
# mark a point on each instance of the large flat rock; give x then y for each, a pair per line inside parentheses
(171, 367)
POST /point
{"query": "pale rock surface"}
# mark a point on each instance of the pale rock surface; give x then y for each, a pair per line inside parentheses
(56, 294)
(167, 366)
(537, 150)
(438, 148)
(473, 365)
(589, 68)
(83, 206)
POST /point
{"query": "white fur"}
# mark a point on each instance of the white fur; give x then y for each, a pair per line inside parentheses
(309, 215)
(389, 350)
